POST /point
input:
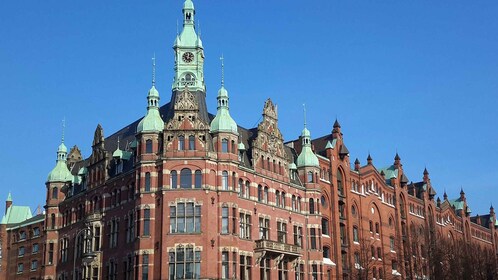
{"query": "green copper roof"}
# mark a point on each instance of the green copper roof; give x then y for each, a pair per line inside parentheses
(16, 214)
(292, 166)
(242, 147)
(9, 197)
(60, 173)
(307, 157)
(457, 203)
(152, 122)
(389, 172)
(223, 122)
(188, 5)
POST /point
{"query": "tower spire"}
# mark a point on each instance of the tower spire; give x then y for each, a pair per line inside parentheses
(222, 71)
(63, 129)
(304, 112)
(154, 70)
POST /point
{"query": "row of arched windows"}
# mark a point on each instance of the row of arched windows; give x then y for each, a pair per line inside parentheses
(186, 143)
(272, 165)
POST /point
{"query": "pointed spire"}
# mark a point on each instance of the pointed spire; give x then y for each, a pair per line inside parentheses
(425, 171)
(152, 122)
(357, 164)
(307, 157)
(223, 122)
(397, 157)
(438, 201)
(445, 196)
(222, 71)
(462, 193)
(336, 124)
(60, 173)
(491, 209)
(63, 129)
(304, 113)
(369, 159)
(9, 197)
(154, 70)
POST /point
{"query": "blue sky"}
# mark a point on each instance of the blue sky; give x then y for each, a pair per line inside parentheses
(419, 77)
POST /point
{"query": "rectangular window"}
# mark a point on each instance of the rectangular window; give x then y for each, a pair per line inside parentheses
(234, 220)
(21, 251)
(96, 239)
(36, 232)
(342, 232)
(185, 218)
(34, 265)
(225, 274)
(264, 228)
(20, 267)
(224, 220)
(283, 270)
(245, 226)
(298, 236)
(313, 238)
(391, 244)
(265, 269)
(281, 232)
(245, 268)
(51, 253)
(145, 267)
(184, 263)
(299, 272)
(36, 248)
(146, 222)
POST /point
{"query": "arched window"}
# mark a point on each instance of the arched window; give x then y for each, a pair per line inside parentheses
(185, 178)
(198, 179)
(353, 211)
(325, 226)
(277, 198)
(191, 142)
(294, 202)
(340, 187)
(247, 193)
(312, 206)
(224, 145)
(265, 198)
(52, 221)
(283, 199)
(174, 180)
(310, 177)
(241, 188)
(54, 193)
(224, 180)
(148, 146)
(298, 203)
(260, 193)
(147, 182)
(356, 237)
(323, 200)
(181, 143)
(326, 252)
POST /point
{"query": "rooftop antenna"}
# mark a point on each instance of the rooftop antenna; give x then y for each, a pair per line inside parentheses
(222, 70)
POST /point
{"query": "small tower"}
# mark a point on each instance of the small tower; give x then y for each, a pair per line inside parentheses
(223, 127)
(397, 160)
(307, 157)
(357, 164)
(462, 194)
(336, 131)
(369, 159)
(426, 175)
(152, 122)
(223, 122)
(60, 173)
(8, 202)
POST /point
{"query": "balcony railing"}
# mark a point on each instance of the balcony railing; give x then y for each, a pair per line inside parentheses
(277, 247)
(94, 216)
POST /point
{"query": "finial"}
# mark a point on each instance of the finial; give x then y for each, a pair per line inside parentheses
(177, 27)
(222, 70)
(154, 70)
(304, 112)
(199, 27)
(119, 148)
(63, 128)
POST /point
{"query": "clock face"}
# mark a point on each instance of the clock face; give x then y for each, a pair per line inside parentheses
(188, 57)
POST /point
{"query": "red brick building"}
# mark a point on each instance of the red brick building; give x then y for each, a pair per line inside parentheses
(183, 194)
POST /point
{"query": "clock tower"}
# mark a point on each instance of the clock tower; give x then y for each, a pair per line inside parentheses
(189, 54)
